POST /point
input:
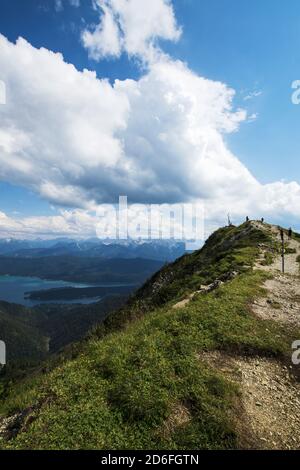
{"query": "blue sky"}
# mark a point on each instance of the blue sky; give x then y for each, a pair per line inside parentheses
(249, 45)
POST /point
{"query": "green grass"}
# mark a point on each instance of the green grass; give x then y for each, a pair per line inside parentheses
(119, 392)
(124, 385)
(268, 259)
(290, 251)
(227, 249)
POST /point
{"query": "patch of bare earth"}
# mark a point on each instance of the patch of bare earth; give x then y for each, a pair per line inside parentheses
(206, 289)
(269, 413)
(179, 417)
(282, 303)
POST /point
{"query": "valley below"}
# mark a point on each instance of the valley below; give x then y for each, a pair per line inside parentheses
(80, 270)
(46, 303)
(70, 279)
(32, 291)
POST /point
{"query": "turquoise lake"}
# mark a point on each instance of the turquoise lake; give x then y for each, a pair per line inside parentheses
(13, 289)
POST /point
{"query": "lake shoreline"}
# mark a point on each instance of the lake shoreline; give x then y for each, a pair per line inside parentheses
(33, 291)
(73, 293)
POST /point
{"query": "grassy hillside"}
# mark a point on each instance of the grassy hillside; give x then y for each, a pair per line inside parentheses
(24, 341)
(139, 381)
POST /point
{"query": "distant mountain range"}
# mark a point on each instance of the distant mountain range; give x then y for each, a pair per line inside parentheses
(162, 250)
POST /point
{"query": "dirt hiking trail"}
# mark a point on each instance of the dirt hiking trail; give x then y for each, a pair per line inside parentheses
(270, 394)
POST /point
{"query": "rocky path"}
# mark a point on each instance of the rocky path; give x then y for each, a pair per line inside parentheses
(269, 417)
(291, 264)
(282, 303)
(270, 394)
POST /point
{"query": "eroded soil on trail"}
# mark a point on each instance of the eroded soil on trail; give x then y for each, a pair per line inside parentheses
(270, 394)
(282, 303)
(270, 398)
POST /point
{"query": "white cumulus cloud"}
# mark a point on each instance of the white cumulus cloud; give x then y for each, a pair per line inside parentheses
(132, 26)
(72, 223)
(79, 141)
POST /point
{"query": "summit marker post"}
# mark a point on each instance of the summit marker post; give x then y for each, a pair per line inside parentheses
(282, 249)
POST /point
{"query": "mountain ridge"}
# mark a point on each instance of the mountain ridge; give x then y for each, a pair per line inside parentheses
(159, 375)
(166, 250)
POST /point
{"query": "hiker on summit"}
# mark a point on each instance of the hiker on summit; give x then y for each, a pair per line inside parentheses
(290, 233)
